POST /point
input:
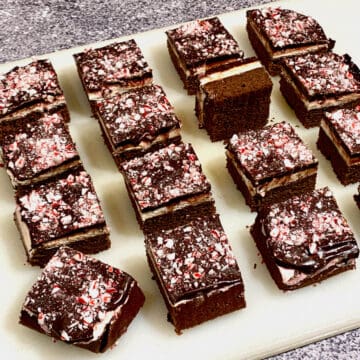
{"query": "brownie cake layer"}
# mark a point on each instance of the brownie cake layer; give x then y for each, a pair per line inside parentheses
(234, 100)
(29, 89)
(167, 186)
(200, 46)
(276, 33)
(82, 301)
(35, 149)
(61, 211)
(137, 121)
(304, 239)
(339, 141)
(270, 164)
(111, 69)
(196, 271)
(314, 83)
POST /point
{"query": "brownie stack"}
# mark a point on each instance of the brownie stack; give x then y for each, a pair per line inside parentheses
(56, 203)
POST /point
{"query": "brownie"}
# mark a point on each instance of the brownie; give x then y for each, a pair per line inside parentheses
(357, 197)
(271, 164)
(314, 83)
(82, 301)
(111, 69)
(34, 149)
(339, 141)
(137, 121)
(304, 239)
(167, 186)
(33, 88)
(199, 46)
(61, 211)
(234, 100)
(196, 271)
(276, 33)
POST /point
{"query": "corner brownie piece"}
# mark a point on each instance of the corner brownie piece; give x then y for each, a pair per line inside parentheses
(270, 164)
(35, 149)
(62, 211)
(305, 239)
(111, 69)
(167, 186)
(33, 88)
(196, 271)
(82, 301)
(137, 121)
(234, 100)
(339, 141)
(276, 33)
(200, 46)
(314, 83)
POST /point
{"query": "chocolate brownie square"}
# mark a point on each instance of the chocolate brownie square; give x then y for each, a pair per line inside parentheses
(199, 46)
(234, 100)
(276, 33)
(137, 121)
(270, 164)
(33, 88)
(196, 271)
(339, 141)
(62, 211)
(304, 239)
(34, 149)
(314, 83)
(82, 301)
(111, 69)
(167, 186)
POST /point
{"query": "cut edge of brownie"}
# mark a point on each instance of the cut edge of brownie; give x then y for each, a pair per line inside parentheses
(346, 173)
(222, 112)
(278, 194)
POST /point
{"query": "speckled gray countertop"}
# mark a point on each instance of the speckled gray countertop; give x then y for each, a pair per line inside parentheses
(41, 26)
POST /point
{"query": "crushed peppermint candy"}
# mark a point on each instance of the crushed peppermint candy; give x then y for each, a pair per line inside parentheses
(346, 123)
(287, 28)
(194, 257)
(137, 115)
(324, 74)
(202, 40)
(32, 83)
(271, 151)
(34, 146)
(169, 174)
(60, 207)
(74, 293)
(116, 63)
(308, 231)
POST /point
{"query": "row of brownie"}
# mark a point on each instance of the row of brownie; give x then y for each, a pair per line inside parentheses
(271, 165)
(186, 247)
(76, 298)
(56, 201)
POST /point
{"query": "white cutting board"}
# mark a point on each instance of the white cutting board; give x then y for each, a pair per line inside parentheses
(273, 321)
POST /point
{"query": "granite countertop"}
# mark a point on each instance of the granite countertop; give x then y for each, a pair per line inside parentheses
(41, 26)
